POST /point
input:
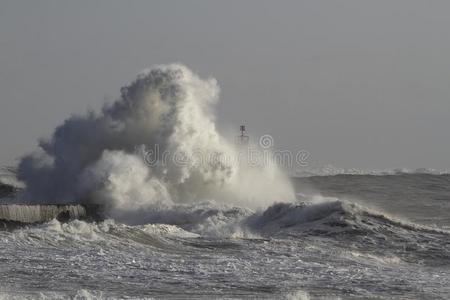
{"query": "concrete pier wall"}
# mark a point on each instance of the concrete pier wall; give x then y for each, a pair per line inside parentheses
(23, 213)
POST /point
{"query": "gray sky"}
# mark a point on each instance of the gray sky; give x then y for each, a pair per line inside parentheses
(359, 84)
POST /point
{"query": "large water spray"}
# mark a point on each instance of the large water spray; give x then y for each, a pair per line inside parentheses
(155, 147)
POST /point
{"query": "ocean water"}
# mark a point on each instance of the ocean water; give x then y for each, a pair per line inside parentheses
(189, 213)
(346, 237)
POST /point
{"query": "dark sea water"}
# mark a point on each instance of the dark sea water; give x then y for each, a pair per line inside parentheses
(347, 237)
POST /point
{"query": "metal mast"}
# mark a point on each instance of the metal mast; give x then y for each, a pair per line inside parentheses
(243, 138)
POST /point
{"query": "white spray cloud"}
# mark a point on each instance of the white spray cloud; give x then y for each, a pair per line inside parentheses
(93, 158)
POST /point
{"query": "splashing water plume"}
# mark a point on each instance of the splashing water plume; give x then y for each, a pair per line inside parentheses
(93, 158)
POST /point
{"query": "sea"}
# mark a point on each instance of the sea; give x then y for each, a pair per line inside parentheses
(347, 236)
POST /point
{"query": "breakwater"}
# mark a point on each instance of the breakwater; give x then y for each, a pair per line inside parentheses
(28, 213)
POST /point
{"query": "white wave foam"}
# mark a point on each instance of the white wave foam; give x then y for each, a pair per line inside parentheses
(302, 295)
(387, 260)
(168, 230)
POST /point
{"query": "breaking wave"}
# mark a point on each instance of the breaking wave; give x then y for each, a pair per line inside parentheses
(332, 217)
(102, 158)
(336, 219)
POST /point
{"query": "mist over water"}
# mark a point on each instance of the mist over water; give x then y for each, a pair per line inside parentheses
(100, 157)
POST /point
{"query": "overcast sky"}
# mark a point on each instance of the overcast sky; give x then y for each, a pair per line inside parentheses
(358, 84)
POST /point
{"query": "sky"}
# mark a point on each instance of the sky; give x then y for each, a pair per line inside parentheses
(357, 84)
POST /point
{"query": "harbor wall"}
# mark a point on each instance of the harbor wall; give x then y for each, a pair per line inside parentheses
(23, 213)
